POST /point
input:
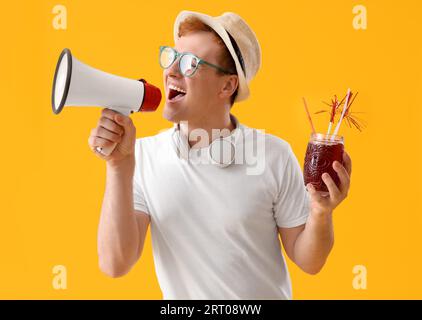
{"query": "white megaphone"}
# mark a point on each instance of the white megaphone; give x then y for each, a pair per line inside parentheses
(77, 84)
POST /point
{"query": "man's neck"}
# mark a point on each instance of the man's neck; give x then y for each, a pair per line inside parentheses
(192, 129)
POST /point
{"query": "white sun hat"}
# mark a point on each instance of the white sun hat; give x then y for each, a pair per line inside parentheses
(239, 39)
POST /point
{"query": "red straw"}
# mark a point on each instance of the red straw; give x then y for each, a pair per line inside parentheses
(309, 115)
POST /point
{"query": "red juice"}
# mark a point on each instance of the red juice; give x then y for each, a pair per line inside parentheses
(322, 151)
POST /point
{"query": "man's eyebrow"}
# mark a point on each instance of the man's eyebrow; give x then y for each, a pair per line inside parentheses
(185, 52)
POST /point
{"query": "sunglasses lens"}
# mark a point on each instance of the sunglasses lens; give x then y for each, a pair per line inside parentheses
(167, 57)
(188, 65)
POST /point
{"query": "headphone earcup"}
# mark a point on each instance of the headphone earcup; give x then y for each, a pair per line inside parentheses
(222, 152)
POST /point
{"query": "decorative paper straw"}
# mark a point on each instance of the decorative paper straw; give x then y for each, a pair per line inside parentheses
(329, 128)
(309, 115)
(342, 114)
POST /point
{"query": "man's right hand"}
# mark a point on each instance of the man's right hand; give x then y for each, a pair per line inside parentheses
(114, 129)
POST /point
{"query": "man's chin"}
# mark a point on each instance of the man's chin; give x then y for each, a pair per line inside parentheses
(173, 113)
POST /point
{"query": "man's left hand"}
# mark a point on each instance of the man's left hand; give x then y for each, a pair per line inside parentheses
(321, 205)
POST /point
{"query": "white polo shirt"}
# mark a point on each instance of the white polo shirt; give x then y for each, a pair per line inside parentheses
(214, 229)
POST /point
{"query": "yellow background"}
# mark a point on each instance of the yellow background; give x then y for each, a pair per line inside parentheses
(52, 185)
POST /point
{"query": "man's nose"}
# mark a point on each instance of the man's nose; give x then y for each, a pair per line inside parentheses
(173, 70)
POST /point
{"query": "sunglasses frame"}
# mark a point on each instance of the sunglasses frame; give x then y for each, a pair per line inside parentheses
(198, 61)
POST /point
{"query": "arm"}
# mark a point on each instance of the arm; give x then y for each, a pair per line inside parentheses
(121, 230)
(309, 245)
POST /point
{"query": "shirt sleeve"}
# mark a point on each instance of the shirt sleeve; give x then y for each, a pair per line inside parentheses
(292, 205)
(139, 202)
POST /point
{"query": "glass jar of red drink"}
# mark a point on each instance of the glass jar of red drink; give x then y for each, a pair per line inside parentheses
(321, 152)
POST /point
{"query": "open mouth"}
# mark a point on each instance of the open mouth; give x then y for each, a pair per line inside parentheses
(175, 93)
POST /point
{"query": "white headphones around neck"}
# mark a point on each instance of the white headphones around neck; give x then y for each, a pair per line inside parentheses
(217, 150)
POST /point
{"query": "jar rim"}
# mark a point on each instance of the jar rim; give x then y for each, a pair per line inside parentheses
(323, 137)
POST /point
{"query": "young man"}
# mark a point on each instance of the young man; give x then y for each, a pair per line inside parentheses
(214, 225)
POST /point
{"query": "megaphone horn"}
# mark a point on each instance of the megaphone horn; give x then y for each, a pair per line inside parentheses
(78, 84)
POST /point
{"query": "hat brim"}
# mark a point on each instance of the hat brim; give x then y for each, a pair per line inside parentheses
(243, 89)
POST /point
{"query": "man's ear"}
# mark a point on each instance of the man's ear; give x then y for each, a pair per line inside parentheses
(230, 85)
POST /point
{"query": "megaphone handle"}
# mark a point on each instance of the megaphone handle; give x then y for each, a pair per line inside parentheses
(106, 151)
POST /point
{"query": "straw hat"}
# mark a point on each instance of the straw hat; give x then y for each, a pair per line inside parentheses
(240, 41)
